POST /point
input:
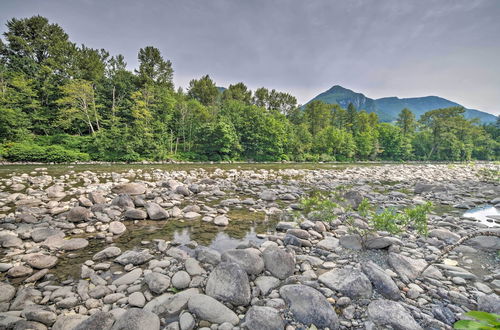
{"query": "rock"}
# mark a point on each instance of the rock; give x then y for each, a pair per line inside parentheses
(129, 188)
(209, 309)
(329, 243)
(354, 198)
(382, 282)
(69, 302)
(381, 242)
(488, 243)
(97, 321)
(135, 214)
(129, 277)
(41, 234)
(7, 241)
(489, 303)
(229, 282)
(187, 321)
(29, 325)
(39, 314)
(157, 283)
(411, 268)
(117, 228)
(266, 283)
(156, 212)
(41, 261)
(309, 306)
(19, 271)
(193, 267)
(182, 190)
(78, 214)
(124, 201)
(24, 297)
(7, 292)
(109, 252)
(391, 314)
(74, 244)
(249, 259)
(55, 192)
(350, 282)
(97, 197)
(68, 321)
(352, 242)
(170, 306)
(263, 318)
(444, 235)
(137, 299)
(221, 220)
(207, 255)
(268, 195)
(38, 275)
(181, 280)
(278, 262)
(134, 257)
(192, 215)
(137, 319)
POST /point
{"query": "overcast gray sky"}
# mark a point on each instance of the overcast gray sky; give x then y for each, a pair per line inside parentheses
(405, 48)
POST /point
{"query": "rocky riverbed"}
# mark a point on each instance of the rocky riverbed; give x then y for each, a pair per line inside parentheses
(233, 248)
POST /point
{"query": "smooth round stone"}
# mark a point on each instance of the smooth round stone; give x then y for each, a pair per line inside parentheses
(181, 280)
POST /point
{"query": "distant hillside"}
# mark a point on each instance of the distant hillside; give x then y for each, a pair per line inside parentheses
(388, 108)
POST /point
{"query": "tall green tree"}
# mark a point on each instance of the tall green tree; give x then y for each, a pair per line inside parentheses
(203, 90)
(154, 69)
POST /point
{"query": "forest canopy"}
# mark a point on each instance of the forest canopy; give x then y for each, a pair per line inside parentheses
(62, 102)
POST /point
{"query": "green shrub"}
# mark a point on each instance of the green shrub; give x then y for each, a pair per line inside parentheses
(393, 222)
(29, 152)
(322, 206)
(486, 321)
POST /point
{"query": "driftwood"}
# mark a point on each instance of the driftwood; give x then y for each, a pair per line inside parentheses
(467, 237)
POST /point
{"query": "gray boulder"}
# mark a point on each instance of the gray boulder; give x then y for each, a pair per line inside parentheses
(263, 318)
(156, 212)
(109, 252)
(309, 306)
(209, 309)
(98, 321)
(489, 303)
(78, 214)
(228, 282)
(137, 319)
(387, 313)
(382, 282)
(249, 259)
(348, 281)
(134, 257)
(278, 262)
(158, 283)
(124, 201)
(129, 188)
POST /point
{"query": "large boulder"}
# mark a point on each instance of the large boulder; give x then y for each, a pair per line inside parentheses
(124, 201)
(353, 198)
(489, 303)
(249, 259)
(137, 319)
(409, 268)
(156, 212)
(41, 261)
(132, 188)
(228, 282)
(263, 318)
(78, 214)
(209, 309)
(74, 244)
(382, 282)
(278, 262)
(387, 313)
(444, 235)
(309, 306)
(157, 283)
(348, 281)
(109, 252)
(97, 321)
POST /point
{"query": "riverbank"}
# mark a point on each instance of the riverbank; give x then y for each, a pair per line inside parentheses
(234, 247)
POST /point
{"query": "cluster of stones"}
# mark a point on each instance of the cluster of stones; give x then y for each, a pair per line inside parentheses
(309, 272)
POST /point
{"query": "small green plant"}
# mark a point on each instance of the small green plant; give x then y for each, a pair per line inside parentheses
(321, 205)
(490, 174)
(483, 320)
(393, 222)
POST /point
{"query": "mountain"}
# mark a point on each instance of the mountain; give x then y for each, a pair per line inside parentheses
(388, 108)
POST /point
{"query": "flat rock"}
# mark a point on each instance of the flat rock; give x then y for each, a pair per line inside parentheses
(97, 321)
(117, 227)
(350, 282)
(249, 259)
(129, 277)
(74, 244)
(209, 309)
(132, 188)
(157, 283)
(137, 319)
(41, 261)
(135, 214)
(382, 282)
(109, 252)
(134, 257)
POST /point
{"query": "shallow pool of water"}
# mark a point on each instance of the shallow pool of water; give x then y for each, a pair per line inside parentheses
(487, 215)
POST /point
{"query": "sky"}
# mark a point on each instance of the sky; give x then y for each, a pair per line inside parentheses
(410, 48)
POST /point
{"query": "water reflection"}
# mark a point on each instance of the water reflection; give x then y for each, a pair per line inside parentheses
(486, 215)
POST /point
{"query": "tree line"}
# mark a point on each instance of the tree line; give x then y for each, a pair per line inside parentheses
(65, 102)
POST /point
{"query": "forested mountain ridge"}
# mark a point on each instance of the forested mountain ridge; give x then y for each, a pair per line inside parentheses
(388, 108)
(60, 102)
